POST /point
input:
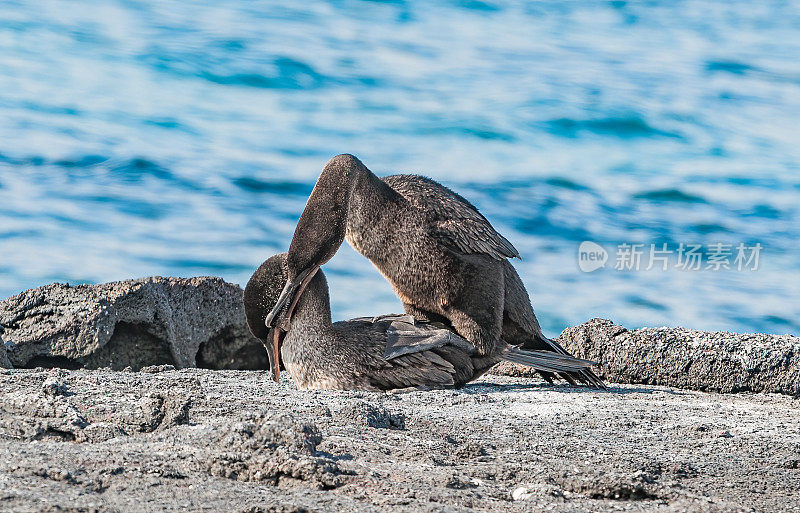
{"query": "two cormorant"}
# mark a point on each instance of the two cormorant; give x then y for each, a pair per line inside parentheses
(445, 261)
(380, 353)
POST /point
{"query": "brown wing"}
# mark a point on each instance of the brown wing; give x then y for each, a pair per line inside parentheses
(422, 369)
(416, 354)
(453, 220)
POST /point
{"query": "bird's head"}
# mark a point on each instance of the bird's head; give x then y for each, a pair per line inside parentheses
(269, 302)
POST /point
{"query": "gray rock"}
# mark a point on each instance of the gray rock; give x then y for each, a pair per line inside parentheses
(151, 321)
(690, 359)
(197, 439)
(273, 448)
(365, 413)
(5, 363)
(683, 358)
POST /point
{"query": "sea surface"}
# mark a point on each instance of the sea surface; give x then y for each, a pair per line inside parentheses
(183, 137)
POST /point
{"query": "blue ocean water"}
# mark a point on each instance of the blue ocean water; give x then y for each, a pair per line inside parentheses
(182, 138)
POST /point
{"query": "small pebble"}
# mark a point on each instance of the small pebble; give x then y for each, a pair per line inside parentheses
(520, 494)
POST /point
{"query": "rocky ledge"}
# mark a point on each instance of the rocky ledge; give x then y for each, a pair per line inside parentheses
(204, 440)
(684, 358)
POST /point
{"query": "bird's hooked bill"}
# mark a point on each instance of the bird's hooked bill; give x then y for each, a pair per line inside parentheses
(280, 305)
(281, 315)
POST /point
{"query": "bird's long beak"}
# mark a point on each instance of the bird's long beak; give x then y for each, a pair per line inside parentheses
(273, 343)
(281, 314)
(280, 318)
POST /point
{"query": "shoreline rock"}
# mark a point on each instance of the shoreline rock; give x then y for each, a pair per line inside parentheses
(683, 358)
(172, 439)
(689, 359)
(184, 322)
(5, 363)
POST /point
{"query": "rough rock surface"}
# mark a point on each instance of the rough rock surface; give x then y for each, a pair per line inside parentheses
(691, 359)
(150, 321)
(196, 439)
(5, 363)
(683, 358)
(200, 322)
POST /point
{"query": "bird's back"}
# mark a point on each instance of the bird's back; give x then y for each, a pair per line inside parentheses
(520, 326)
(452, 220)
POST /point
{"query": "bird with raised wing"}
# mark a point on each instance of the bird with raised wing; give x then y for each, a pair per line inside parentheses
(444, 259)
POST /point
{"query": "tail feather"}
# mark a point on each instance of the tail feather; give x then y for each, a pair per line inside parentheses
(557, 361)
(520, 328)
(547, 361)
(584, 376)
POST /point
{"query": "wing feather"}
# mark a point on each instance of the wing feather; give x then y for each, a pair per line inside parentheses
(453, 220)
(412, 355)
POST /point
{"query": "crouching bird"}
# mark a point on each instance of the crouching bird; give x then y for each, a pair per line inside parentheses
(380, 353)
(444, 260)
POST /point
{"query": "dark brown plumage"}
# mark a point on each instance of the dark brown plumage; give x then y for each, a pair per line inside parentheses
(381, 353)
(444, 260)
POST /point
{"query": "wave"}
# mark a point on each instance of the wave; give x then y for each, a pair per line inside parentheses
(670, 195)
(726, 66)
(625, 127)
(256, 185)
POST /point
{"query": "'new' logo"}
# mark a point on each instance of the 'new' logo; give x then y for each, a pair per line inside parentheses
(591, 256)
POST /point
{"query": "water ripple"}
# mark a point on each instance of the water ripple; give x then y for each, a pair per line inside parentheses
(183, 138)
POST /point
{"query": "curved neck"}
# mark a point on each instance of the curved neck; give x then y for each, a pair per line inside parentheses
(322, 226)
(368, 198)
